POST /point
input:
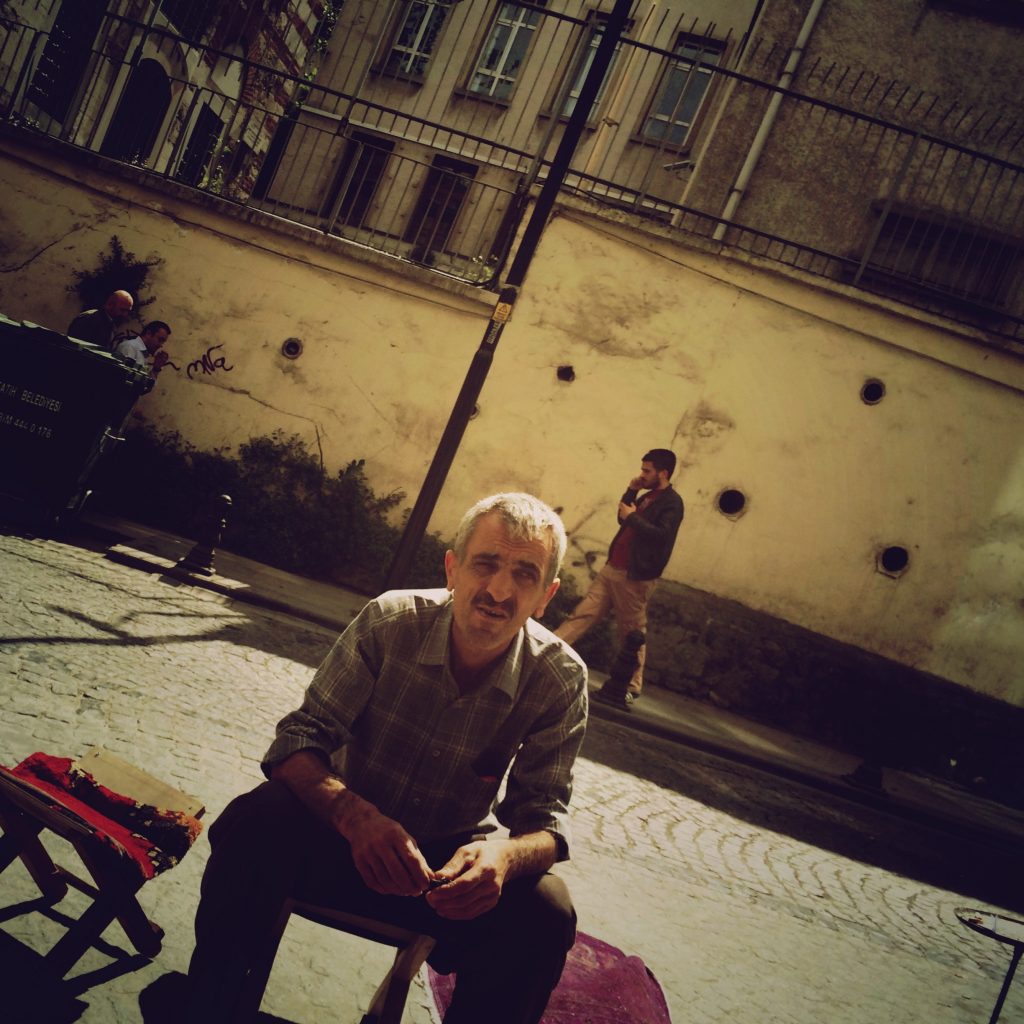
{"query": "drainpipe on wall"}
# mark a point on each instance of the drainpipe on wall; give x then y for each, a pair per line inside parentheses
(765, 128)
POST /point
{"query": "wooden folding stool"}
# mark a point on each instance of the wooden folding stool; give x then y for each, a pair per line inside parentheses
(108, 848)
(388, 1002)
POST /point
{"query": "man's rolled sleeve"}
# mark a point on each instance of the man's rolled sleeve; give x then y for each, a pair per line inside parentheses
(540, 784)
(338, 692)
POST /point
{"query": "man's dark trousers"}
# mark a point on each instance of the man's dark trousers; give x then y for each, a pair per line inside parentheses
(266, 847)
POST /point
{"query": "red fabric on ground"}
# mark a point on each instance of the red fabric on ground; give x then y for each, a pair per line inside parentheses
(600, 985)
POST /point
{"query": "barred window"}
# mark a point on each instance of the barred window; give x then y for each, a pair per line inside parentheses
(419, 26)
(504, 51)
(681, 91)
(599, 22)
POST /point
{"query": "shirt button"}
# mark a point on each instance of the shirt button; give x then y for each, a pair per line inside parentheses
(435, 753)
(416, 801)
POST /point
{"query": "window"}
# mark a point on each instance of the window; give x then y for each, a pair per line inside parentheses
(438, 207)
(956, 260)
(420, 25)
(598, 23)
(192, 18)
(355, 184)
(201, 144)
(65, 56)
(681, 91)
(504, 51)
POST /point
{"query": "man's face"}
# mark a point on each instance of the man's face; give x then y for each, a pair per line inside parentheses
(496, 587)
(649, 476)
(154, 340)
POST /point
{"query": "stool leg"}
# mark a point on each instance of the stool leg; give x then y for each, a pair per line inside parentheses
(1014, 960)
(256, 980)
(388, 1001)
(21, 839)
(119, 890)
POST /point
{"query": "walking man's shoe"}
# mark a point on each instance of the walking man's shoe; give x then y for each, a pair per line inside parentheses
(615, 697)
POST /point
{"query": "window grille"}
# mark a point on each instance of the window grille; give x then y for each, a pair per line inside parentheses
(438, 207)
(943, 256)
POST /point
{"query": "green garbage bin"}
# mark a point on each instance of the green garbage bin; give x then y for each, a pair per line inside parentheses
(62, 403)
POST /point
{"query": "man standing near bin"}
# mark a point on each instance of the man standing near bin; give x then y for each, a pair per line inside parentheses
(637, 557)
(99, 325)
(385, 782)
(139, 348)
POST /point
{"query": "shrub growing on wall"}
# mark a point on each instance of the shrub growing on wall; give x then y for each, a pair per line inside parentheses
(287, 512)
(117, 269)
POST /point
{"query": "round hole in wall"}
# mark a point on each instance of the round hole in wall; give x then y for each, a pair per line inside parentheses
(893, 560)
(566, 373)
(732, 502)
(291, 348)
(872, 392)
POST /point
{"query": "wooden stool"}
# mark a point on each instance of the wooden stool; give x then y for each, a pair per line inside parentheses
(388, 1002)
(28, 807)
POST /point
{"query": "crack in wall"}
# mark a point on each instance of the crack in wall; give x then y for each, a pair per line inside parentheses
(246, 393)
(39, 252)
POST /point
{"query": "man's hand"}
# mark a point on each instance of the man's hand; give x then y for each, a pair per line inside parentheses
(160, 360)
(385, 855)
(636, 483)
(626, 510)
(472, 880)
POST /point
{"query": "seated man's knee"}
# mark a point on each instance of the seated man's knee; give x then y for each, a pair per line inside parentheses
(543, 912)
(255, 818)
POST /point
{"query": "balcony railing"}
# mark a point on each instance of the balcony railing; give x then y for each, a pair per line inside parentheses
(409, 158)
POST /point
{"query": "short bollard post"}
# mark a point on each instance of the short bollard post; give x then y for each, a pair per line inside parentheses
(625, 664)
(200, 559)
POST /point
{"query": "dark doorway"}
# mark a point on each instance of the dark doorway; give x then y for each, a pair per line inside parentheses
(356, 180)
(201, 144)
(438, 207)
(65, 57)
(141, 112)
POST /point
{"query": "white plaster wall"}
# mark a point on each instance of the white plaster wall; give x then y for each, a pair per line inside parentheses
(752, 377)
(753, 392)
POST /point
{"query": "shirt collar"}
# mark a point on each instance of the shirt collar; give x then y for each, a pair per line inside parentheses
(504, 676)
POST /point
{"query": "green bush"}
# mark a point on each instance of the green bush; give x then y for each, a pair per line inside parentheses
(287, 511)
(117, 269)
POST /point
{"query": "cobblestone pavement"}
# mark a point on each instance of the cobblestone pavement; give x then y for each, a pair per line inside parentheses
(751, 898)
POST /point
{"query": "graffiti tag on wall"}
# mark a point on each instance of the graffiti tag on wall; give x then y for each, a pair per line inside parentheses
(208, 363)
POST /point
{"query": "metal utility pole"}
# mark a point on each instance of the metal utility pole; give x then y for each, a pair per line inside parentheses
(481, 364)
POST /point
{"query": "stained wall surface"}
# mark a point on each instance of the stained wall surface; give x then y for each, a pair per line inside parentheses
(753, 378)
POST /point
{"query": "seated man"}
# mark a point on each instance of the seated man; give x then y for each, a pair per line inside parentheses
(138, 348)
(384, 783)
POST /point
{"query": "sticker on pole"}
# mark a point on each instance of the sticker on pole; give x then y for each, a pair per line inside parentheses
(502, 312)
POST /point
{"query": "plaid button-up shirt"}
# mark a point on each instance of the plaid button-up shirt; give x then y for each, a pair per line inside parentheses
(385, 710)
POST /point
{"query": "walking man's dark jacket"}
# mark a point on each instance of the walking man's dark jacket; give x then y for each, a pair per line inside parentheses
(654, 533)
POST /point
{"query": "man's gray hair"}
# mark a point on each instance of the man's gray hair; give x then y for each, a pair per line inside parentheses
(526, 518)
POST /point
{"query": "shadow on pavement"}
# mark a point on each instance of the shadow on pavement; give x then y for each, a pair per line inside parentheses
(954, 862)
(162, 1002)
